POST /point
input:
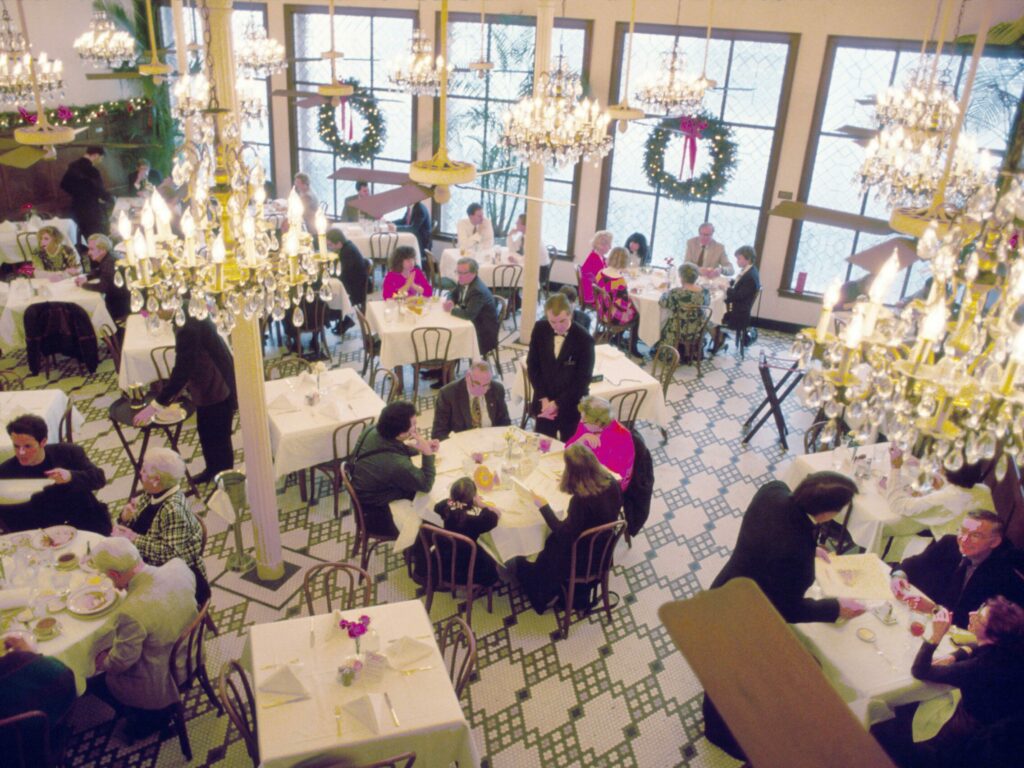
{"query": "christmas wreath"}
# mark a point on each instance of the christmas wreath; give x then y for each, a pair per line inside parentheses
(332, 133)
(721, 148)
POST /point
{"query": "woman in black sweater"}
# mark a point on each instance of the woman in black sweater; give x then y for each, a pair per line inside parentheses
(596, 500)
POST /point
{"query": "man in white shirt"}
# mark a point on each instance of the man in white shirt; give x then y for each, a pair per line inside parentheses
(475, 232)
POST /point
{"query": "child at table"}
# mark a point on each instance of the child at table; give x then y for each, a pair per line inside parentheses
(466, 513)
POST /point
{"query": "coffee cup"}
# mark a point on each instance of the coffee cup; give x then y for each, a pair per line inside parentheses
(67, 560)
(45, 627)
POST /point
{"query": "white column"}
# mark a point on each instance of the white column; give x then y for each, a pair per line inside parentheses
(532, 242)
(247, 349)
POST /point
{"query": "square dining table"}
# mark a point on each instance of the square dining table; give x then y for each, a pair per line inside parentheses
(648, 285)
(302, 434)
(360, 238)
(619, 374)
(394, 325)
(21, 294)
(487, 261)
(430, 720)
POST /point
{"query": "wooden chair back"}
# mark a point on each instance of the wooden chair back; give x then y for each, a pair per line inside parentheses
(364, 542)
(65, 431)
(109, 338)
(25, 739)
(240, 704)
(692, 342)
(187, 661)
(626, 405)
(508, 276)
(458, 649)
(369, 342)
(355, 580)
(285, 366)
(664, 365)
(823, 435)
(431, 345)
(388, 388)
(441, 553)
(527, 391)
(345, 437)
(382, 245)
(590, 564)
(163, 361)
(28, 246)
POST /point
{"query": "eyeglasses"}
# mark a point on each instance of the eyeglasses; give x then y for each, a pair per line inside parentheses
(463, 272)
(478, 384)
(974, 535)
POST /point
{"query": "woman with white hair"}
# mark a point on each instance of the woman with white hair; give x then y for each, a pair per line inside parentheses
(606, 438)
(162, 527)
(594, 263)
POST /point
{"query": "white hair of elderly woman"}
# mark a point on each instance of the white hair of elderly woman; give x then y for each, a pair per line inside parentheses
(115, 554)
(165, 464)
(602, 234)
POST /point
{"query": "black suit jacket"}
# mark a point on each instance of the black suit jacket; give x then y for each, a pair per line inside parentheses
(420, 225)
(355, 270)
(478, 307)
(101, 278)
(776, 548)
(82, 180)
(203, 363)
(565, 379)
(934, 573)
(741, 295)
(452, 414)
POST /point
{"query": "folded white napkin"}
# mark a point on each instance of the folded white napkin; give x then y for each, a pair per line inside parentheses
(283, 680)
(220, 504)
(406, 651)
(8, 226)
(20, 290)
(286, 401)
(307, 379)
(14, 598)
(371, 710)
(33, 223)
(336, 409)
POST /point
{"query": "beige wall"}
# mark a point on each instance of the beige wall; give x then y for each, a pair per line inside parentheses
(813, 20)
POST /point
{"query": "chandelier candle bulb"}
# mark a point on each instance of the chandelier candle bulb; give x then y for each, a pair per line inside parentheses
(295, 211)
(162, 214)
(321, 231)
(932, 326)
(141, 251)
(217, 255)
(827, 304)
(188, 229)
(879, 288)
(854, 334)
(1013, 364)
(124, 229)
(249, 232)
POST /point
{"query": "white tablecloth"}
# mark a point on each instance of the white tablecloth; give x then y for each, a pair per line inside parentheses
(431, 721)
(302, 435)
(647, 289)
(12, 321)
(872, 677)
(521, 530)
(9, 252)
(487, 262)
(339, 297)
(48, 404)
(396, 332)
(885, 507)
(139, 340)
(620, 374)
(80, 639)
(361, 239)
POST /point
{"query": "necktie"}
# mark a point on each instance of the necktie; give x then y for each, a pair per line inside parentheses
(474, 410)
(474, 229)
(700, 259)
(957, 581)
(408, 215)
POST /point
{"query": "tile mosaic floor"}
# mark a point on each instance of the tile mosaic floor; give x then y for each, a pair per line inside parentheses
(615, 694)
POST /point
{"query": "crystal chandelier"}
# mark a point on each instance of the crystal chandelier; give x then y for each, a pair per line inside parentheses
(419, 73)
(556, 125)
(16, 78)
(259, 56)
(103, 45)
(251, 105)
(12, 41)
(673, 92)
(191, 95)
(227, 261)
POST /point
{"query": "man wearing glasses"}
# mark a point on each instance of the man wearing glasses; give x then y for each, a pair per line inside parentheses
(472, 300)
(961, 572)
(472, 402)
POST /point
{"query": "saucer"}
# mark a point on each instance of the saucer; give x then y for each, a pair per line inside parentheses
(41, 636)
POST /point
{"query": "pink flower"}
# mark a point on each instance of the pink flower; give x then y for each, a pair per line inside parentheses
(357, 630)
(364, 620)
(27, 116)
(63, 113)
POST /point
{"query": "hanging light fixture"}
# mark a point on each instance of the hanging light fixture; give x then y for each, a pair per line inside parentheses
(12, 42)
(227, 263)
(104, 45)
(419, 72)
(556, 125)
(482, 66)
(257, 55)
(623, 112)
(672, 92)
(34, 78)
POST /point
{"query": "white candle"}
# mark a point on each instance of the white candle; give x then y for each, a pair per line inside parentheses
(124, 228)
(295, 210)
(879, 289)
(217, 254)
(148, 220)
(321, 230)
(249, 231)
(188, 228)
(141, 251)
(827, 303)
(163, 216)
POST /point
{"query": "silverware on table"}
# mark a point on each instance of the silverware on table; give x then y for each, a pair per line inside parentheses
(283, 702)
(337, 717)
(394, 715)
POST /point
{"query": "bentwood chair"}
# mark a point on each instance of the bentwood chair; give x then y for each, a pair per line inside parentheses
(344, 441)
(371, 343)
(507, 280)
(501, 309)
(237, 698)
(458, 649)
(441, 551)
(163, 361)
(65, 431)
(25, 740)
(382, 245)
(364, 542)
(430, 347)
(187, 663)
(285, 366)
(386, 384)
(626, 406)
(663, 367)
(692, 342)
(823, 435)
(110, 339)
(590, 565)
(347, 595)
(524, 377)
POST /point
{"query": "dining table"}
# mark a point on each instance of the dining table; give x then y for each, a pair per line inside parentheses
(361, 234)
(393, 323)
(23, 292)
(11, 253)
(488, 262)
(49, 404)
(304, 413)
(646, 287)
(521, 463)
(401, 701)
(617, 374)
(886, 507)
(867, 659)
(35, 588)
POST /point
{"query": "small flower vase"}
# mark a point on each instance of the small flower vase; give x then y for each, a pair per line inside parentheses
(350, 668)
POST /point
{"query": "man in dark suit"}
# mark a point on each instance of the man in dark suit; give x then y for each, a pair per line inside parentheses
(101, 277)
(776, 549)
(963, 571)
(472, 402)
(202, 363)
(70, 499)
(740, 296)
(417, 221)
(560, 363)
(89, 197)
(472, 300)
(349, 213)
(355, 268)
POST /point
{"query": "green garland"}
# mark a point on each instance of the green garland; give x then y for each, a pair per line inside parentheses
(365, 103)
(76, 117)
(721, 148)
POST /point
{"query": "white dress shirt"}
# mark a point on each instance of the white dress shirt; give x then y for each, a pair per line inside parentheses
(475, 236)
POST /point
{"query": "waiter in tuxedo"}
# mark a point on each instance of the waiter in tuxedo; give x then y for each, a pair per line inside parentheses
(560, 363)
(472, 300)
(472, 402)
(89, 196)
(706, 253)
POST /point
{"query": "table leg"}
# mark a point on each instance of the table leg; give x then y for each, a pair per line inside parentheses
(135, 462)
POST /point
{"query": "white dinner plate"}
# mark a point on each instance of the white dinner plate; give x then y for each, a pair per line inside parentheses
(92, 600)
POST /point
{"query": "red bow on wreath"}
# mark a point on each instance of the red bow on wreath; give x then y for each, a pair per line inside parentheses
(63, 113)
(691, 128)
(343, 106)
(27, 116)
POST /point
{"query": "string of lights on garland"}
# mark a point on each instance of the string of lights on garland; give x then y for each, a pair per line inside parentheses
(363, 103)
(77, 117)
(701, 127)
